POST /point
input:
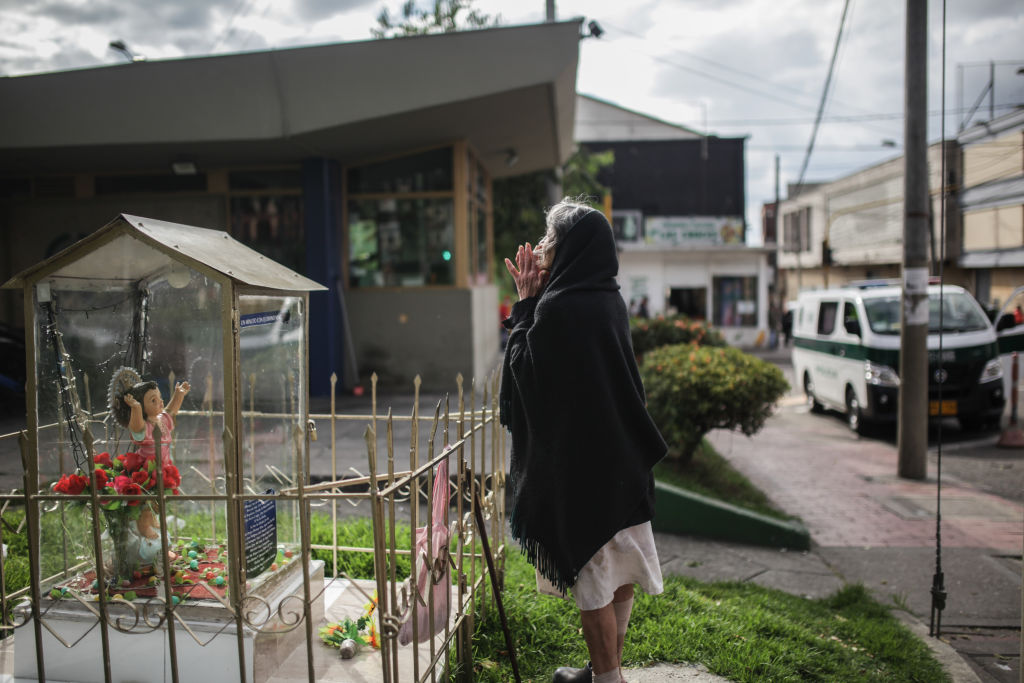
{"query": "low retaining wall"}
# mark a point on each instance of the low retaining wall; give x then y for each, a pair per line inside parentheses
(678, 511)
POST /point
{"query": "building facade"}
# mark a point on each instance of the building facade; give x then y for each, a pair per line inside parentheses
(992, 202)
(678, 210)
(365, 166)
(852, 228)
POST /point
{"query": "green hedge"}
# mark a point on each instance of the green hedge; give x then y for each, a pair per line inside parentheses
(650, 333)
(694, 389)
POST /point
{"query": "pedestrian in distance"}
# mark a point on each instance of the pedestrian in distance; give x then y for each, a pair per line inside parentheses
(641, 310)
(580, 488)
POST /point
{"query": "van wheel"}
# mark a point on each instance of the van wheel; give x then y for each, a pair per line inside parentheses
(853, 413)
(812, 403)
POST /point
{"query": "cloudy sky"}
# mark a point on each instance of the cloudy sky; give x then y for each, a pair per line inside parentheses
(753, 68)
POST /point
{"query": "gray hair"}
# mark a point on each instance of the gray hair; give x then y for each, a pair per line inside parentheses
(559, 219)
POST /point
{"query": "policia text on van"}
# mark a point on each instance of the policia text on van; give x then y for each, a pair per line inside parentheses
(847, 346)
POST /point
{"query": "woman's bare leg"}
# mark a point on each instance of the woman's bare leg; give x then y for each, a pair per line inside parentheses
(600, 630)
(622, 603)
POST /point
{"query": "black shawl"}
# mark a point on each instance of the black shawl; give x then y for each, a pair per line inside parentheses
(583, 444)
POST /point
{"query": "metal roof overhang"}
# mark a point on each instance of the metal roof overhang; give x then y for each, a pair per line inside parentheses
(499, 89)
(105, 256)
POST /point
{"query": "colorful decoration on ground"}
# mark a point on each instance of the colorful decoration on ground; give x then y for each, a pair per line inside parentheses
(197, 572)
(362, 631)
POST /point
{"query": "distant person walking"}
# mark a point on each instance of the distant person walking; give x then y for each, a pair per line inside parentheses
(580, 488)
(787, 326)
(641, 310)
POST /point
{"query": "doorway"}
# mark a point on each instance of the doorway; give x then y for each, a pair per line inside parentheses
(689, 301)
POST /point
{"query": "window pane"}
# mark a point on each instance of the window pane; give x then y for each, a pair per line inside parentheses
(427, 172)
(272, 225)
(401, 242)
(735, 301)
(827, 317)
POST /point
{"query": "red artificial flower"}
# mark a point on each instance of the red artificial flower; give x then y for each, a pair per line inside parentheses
(103, 459)
(132, 490)
(172, 477)
(71, 484)
(140, 478)
(121, 481)
(132, 461)
(100, 477)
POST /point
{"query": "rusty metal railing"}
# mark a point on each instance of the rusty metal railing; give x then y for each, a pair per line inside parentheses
(471, 442)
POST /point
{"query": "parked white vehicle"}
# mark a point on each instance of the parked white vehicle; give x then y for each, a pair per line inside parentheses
(846, 347)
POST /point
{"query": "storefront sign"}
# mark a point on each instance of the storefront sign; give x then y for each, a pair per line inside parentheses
(693, 230)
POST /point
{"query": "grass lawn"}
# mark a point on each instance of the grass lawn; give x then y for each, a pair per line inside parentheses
(740, 631)
(737, 630)
(709, 474)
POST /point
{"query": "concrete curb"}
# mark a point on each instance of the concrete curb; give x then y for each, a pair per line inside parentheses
(952, 663)
(678, 511)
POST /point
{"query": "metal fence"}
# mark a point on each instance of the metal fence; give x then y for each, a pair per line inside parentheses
(271, 632)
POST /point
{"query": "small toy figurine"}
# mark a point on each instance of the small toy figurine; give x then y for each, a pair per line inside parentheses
(139, 407)
(146, 411)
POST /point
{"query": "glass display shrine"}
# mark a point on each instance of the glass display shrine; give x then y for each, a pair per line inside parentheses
(220, 333)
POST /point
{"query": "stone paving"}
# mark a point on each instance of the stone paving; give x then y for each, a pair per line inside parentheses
(846, 491)
(870, 526)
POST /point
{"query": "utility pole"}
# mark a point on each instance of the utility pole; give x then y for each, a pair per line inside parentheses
(913, 394)
(549, 10)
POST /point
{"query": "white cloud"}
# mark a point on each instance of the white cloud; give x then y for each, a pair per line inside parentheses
(655, 57)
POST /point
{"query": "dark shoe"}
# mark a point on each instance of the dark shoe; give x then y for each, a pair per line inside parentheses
(567, 674)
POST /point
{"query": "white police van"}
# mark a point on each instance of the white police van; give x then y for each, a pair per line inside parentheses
(846, 347)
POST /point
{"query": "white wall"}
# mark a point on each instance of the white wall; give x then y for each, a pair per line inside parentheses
(662, 270)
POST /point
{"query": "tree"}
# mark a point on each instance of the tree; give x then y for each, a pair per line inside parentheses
(445, 17)
(520, 203)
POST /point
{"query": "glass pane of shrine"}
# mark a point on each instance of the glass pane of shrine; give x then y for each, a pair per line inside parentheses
(272, 348)
(127, 319)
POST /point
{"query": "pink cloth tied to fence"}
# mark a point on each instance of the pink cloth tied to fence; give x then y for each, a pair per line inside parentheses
(433, 571)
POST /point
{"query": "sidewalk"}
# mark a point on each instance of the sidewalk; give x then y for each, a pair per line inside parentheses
(870, 526)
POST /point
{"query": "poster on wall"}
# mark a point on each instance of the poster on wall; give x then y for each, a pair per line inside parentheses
(692, 231)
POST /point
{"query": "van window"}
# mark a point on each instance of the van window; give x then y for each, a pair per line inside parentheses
(960, 313)
(827, 317)
(851, 321)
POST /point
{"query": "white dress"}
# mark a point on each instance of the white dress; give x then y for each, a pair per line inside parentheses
(630, 557)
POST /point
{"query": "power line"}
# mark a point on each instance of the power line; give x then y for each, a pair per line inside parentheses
(730, 69)
(852, 118)
(230, 25)
(824, 95)
(722, 81)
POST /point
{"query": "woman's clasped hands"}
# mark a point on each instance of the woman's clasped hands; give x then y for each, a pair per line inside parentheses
(529, 277)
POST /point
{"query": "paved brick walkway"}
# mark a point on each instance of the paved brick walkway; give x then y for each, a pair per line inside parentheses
(846, 491)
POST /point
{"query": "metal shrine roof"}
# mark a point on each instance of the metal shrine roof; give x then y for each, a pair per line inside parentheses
(132, 248)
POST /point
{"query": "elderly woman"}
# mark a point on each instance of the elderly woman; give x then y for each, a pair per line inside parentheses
(583, 445)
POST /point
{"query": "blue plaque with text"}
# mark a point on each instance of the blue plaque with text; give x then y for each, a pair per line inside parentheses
(260, 535)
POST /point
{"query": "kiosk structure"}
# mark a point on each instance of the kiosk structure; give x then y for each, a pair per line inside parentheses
(179, 550)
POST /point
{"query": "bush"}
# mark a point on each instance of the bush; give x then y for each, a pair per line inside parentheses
(650, 333)
(692, 390)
